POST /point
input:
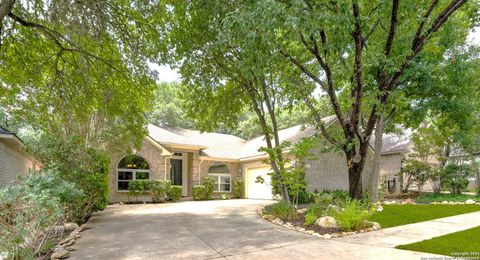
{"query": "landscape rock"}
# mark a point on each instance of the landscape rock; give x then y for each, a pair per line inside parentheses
(469, 201)
(300, 211)
(309, 232)
(372, 225)
(327, 236)
(444, 202)
(379, 208)
(60, 253)
(409, 201)
(326, 222)
(69, 227)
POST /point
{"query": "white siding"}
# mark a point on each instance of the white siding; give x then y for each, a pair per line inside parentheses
(12, 164)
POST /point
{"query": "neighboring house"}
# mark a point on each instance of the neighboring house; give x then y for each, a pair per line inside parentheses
(395, 150)
(14, 161)
(186, 156)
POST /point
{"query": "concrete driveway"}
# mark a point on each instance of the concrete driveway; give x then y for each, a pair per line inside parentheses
(228, 229)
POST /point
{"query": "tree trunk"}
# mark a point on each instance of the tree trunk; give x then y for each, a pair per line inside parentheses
(355, 164)
(377, 157)
(5, 7)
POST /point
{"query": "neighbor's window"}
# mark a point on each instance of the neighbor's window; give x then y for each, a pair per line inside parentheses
(221, 174)
(131, 167)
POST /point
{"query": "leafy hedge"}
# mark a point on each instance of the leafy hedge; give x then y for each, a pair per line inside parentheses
(159, 190)
(205, 190)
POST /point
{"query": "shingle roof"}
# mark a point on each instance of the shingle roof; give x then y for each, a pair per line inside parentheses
(227, 146)
(213, 144)
(5, 131)
(395, 142)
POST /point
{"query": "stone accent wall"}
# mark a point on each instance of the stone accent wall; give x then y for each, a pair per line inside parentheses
(157, 170)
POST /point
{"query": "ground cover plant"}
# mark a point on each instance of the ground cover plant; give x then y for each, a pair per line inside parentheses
(463, 244)
(432, 197)
(397, 215)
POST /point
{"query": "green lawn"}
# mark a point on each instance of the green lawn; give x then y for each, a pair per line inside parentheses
(460, 244)
(430, 197)
(397, 215)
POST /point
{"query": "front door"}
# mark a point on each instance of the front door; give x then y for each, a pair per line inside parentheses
(176, 172)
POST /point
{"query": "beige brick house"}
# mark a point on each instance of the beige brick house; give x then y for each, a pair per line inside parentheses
(186, 156)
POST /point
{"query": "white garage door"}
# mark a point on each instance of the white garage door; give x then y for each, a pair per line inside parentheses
(258, 190)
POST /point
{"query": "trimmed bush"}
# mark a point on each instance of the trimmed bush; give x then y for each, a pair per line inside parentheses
(209, 183)
(199, 192)
(352, 216)
(455, 177)
(158, 190)
(238, 187)
(283, 210)
(137, 187)
(175, 193)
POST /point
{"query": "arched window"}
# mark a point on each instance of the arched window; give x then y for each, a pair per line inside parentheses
(131, 167)
(221, 174)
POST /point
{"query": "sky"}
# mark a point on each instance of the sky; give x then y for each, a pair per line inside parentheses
(165, 73)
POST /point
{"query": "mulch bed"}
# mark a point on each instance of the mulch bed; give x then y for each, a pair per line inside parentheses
(300, 221)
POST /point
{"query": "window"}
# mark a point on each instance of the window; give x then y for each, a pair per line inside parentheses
(221, 174)
(131, 167)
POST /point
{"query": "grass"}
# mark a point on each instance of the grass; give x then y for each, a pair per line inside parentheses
(397, 215)
(461, 244)
(430, 197)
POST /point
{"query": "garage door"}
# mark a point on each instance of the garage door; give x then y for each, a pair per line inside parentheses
(258, 190)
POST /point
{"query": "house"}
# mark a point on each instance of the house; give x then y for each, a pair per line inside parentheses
(14, 161)
(186, 156)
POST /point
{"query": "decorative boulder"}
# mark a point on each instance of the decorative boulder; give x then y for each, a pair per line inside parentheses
(469, 201)
(409, 201)
(60, 253)
(379, 208)
(372, 225)
(326, 222)
(69, 227)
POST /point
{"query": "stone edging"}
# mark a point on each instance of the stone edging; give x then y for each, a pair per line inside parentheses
(289, 225)
(63, 248)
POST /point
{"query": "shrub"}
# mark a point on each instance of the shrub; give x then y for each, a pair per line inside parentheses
(209, 183)
(414, 171)
(455, 177)
(175, 193)
(313, 213)
(199, 192)
(238, 187)
(284, 210)
(340, 197)
(352, 216)
(323, 199)
(304, 197)
(158, 190)
(30, 209)
(137, 187)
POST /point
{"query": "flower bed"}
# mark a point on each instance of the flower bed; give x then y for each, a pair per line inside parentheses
(332, 214)
(314, 230)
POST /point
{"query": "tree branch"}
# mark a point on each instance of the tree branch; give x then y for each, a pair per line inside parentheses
(421, 39)
(393, 28)
(319, 121)
(50, 34)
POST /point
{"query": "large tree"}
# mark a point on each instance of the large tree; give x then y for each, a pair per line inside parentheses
(79, 67)
(358, 52)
